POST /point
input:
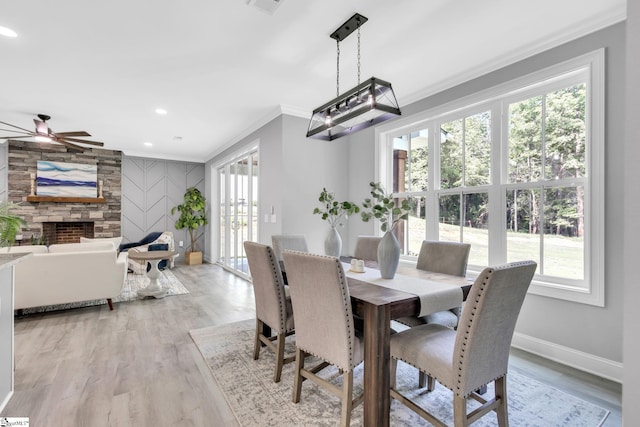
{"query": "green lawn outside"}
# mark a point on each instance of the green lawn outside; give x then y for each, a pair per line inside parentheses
(564, 256)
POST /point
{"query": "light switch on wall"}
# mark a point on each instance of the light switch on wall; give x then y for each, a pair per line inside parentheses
(273, 218)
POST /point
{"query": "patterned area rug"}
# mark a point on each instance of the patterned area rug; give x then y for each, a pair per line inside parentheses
(129, 292)
(257, 401)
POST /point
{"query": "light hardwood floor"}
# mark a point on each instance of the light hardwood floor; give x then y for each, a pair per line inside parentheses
(137, 365)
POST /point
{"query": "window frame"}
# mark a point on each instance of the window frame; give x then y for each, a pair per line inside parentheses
(588, 68)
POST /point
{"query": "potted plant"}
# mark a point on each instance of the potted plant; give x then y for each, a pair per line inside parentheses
(385, 209)
(192, 217)
(10, 224)
(334, 212)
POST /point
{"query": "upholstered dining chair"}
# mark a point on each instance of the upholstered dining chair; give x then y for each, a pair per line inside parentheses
(273, 307)
(293, 242)
(474, 355)
(324, 325)
(367, 248)
(446, 258)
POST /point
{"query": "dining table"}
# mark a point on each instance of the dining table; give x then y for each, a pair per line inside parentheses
(377, 302)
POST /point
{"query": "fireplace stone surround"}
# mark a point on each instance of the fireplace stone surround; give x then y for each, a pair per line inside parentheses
(105, 217)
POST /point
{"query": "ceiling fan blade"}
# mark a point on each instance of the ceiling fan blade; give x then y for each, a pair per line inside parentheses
(17, 127)
(16, 136)
(70, 145)
(82, 141)
(76, 133)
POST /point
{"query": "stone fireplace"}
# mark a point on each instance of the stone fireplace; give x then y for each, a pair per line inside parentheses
(65, 221)
(66, 232)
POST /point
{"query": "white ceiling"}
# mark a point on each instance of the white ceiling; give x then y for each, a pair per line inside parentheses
(222, 67)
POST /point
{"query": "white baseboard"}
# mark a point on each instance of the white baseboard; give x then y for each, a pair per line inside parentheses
(596, 365)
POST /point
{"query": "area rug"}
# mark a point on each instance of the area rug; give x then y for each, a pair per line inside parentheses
(129, 292)
(257, 401)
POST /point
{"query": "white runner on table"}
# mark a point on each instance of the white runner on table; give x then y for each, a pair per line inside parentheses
(443, 293)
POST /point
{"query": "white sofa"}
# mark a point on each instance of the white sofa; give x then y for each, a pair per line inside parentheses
(65, 273)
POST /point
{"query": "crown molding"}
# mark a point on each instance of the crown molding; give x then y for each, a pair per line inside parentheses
(614, 16)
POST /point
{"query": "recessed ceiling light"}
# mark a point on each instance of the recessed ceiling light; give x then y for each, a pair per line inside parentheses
(148, 144)
(161, 111)
(8, 32)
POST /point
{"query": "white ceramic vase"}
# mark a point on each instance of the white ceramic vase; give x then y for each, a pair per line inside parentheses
(333, 243)
(388, 255)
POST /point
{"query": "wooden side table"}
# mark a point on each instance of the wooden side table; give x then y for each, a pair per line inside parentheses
(153, 258)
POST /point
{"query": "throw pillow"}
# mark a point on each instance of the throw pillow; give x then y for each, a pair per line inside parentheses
(158, 247)
(116, 240)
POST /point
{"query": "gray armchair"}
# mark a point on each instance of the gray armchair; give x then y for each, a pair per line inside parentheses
(273, 307)
(474, 355)
(324, 324)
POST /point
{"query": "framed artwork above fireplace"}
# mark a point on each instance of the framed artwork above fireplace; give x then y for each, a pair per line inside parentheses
(65, 182)
(58, 179)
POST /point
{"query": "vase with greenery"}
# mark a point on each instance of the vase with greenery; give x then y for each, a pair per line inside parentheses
(10, 224)
(389, 213)
(334, 212)
(192, 217)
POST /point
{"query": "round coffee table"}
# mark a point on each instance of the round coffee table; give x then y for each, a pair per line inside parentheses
(153, 258)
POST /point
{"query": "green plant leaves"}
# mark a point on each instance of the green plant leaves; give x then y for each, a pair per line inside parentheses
(333, 210)
(192, 214)
(383, 207)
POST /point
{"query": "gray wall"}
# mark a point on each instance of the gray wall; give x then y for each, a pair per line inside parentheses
(631, 387)
(292, 172)
(150, 188)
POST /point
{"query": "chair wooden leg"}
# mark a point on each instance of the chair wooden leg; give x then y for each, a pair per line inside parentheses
(110, 302)
(297, 378)
(426, 380)
(393, 368)
(501, 393)
(256, 344)
(347, 398)
(459, 411)
(279, 357)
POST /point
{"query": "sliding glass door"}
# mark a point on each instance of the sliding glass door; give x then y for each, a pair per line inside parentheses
(238, 195)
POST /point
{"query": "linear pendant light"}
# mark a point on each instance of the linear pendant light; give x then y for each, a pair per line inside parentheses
(369, 103)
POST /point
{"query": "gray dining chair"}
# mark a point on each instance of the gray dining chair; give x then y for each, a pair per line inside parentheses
(324, 325)
(474, 355)
(273, 307)
(367, 248)
(446, 258)
(293, 242)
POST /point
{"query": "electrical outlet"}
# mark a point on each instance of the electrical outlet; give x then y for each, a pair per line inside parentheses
(180, 243)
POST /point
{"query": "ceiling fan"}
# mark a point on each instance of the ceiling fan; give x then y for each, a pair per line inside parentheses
(44, 134)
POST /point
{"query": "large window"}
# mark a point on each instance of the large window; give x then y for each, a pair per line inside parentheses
(516, 171)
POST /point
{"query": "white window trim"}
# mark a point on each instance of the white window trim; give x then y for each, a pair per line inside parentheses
(594, 291)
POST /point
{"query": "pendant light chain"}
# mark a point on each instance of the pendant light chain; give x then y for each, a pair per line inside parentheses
(337, 68)
(358, 53)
